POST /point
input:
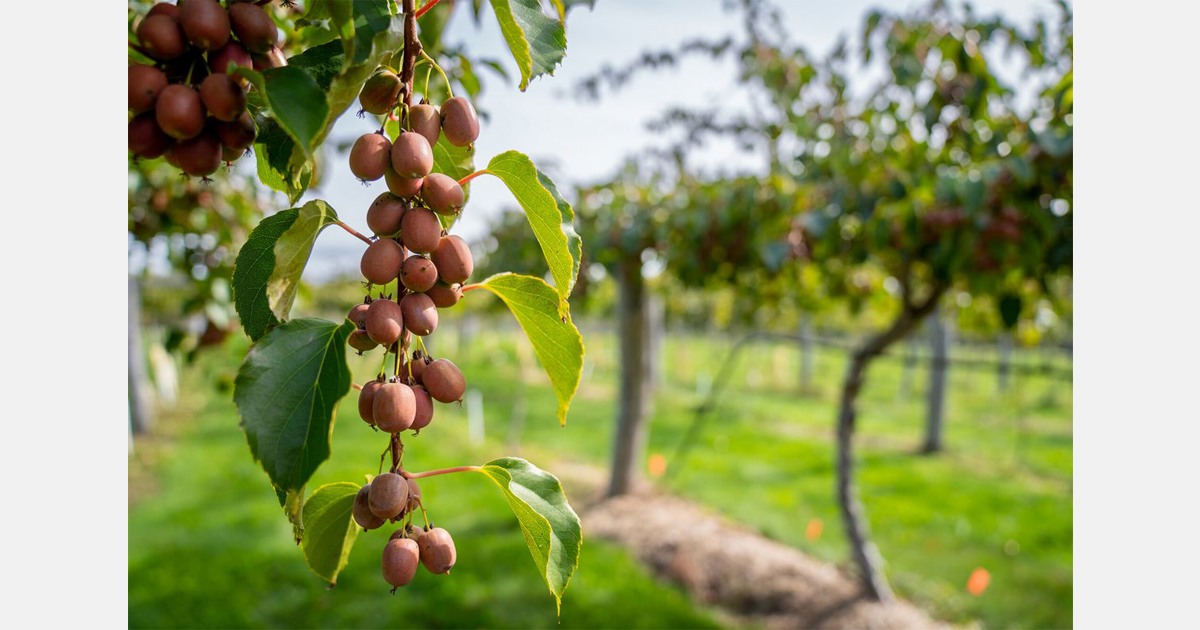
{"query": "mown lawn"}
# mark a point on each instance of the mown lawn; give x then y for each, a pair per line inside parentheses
(209, 547)
(998, 498)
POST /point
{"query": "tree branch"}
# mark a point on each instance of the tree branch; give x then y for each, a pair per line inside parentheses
(412, 50)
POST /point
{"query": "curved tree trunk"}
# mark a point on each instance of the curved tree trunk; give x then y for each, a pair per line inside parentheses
(632, 328)
(866, 555)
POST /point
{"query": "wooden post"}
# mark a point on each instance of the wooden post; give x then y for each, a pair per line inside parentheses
(939, 361)
(140, 413)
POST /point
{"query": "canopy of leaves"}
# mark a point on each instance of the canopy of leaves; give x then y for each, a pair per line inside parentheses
(944, 173)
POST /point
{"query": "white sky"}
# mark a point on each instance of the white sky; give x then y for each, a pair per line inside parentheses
(576, 141)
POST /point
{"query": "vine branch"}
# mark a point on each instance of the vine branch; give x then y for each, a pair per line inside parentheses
(428, 5)
(440, 471)
(463, 181)
(354, 232)
(397, 448)
(412, 50)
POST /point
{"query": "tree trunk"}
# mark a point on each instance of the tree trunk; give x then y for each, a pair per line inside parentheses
(630, 441)
(865, 554)
(808, 357)
(140, 414)
(939, 346)
(1004, 347)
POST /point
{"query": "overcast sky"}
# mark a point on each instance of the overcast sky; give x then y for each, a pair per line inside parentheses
(577, 141)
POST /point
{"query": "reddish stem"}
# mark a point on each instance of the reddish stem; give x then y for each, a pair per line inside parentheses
(463, 181)
(472, 287)
(428, 5)
(397, 449)
(440, 471)
(356, 386)
(354, 232)
(412, 50)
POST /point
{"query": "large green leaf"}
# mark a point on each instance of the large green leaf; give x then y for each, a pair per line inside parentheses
(273, 150)
(286, 393)
(551, 527)
(550, 216)
(457, 162)
(297, 102)
(554, 337)
(537, 41)
(329, 529)
(267, 271)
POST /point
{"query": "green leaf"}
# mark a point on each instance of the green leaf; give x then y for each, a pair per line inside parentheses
(323, 62)
(292, 501)
(340, 16)
(273, 150)
(286, 393)
(457, 162)
(268, 267)
(329, 529)
(550, 216)
(550, 526)
(537, 41)
(371, 17)
(555, 339)
(297, 102)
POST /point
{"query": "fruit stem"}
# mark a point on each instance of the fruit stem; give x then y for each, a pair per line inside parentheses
(191, 67)
(354, 232)
(397, 448)
(400, 352)
(428, 5)
(383, 366)
(440, 471)
(424, 513)
(472, 287)
(463, 181)
(428, 73)
(382, 457)
(426, 57)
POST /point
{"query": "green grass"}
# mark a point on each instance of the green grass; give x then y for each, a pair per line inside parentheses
(210, 548)
(999, 497)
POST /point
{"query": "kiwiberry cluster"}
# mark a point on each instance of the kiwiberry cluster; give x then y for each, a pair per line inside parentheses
(188, 106)
(428, 268)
